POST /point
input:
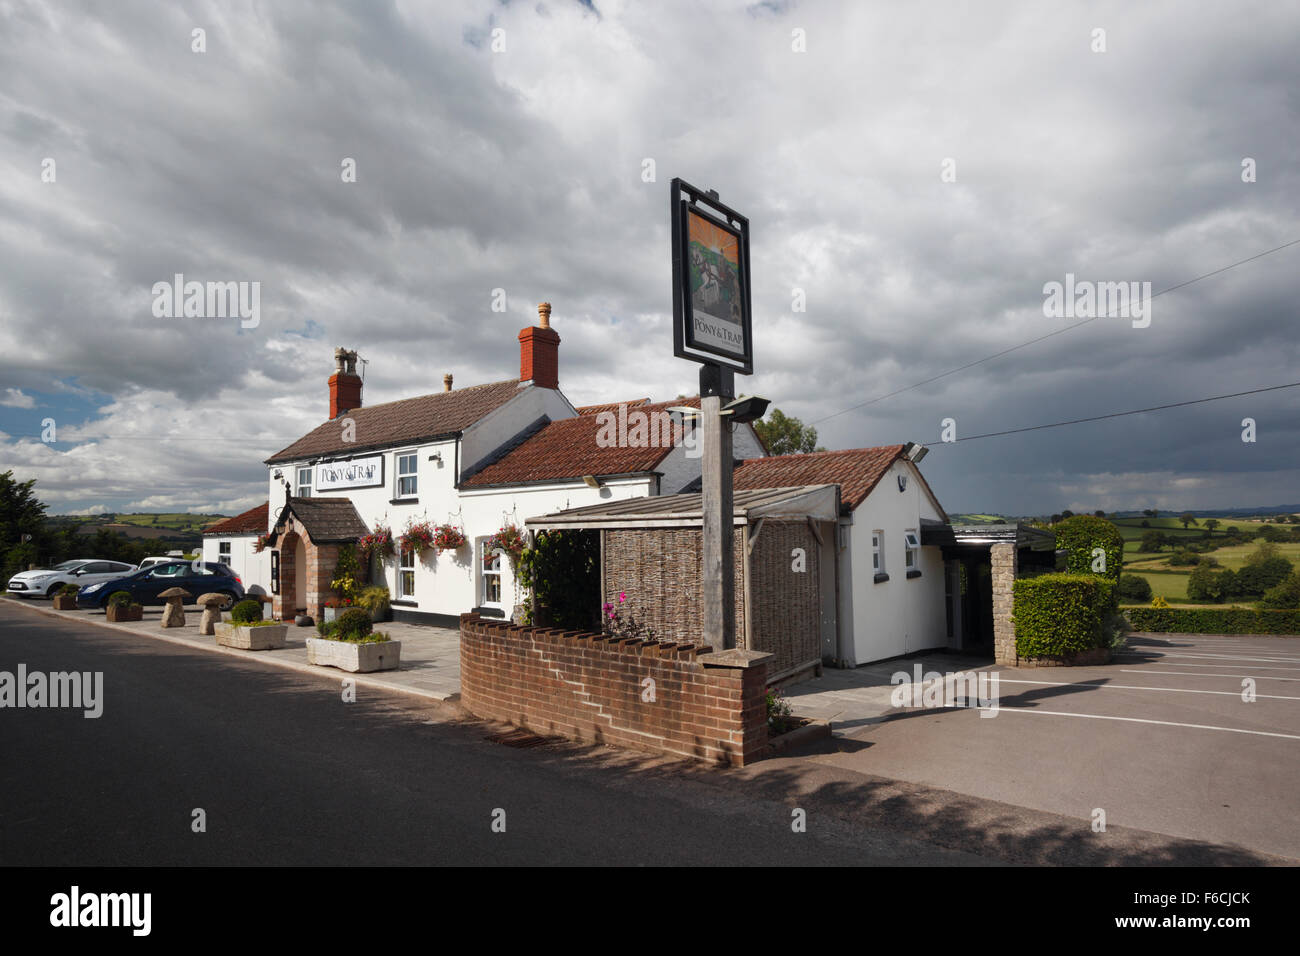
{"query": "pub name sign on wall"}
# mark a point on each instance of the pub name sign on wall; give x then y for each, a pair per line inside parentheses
(711, 297)
(365, 472)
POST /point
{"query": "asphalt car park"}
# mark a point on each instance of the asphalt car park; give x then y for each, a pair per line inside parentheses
(1195, 736)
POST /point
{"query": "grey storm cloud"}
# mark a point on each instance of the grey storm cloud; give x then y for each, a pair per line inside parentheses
(521, 169)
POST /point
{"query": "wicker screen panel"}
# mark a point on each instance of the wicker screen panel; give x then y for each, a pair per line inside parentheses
(786, 611)
(659, 570)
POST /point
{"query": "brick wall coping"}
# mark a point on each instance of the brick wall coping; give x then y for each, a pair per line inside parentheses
(737, 657)
(607, 642)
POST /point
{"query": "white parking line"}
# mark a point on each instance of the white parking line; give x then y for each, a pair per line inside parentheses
(1124, 670)
(1226, 658)
(1139, 720)
(1161, 690)
(1218, 664)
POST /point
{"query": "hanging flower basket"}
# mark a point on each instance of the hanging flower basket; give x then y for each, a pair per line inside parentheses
(262, 541)
(418, 536)
(379, 541)
(509, 540)
(447, 537)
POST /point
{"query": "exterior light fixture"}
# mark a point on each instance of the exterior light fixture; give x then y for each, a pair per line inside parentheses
(591, 481)
(746, 409)
(915, 452)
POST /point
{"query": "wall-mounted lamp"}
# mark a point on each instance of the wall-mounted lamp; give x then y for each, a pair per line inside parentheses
(436, 456)
(591, 481)
(278, 474)
(915, 452)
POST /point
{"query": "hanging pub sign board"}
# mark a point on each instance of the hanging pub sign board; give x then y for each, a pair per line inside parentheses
(711, 301)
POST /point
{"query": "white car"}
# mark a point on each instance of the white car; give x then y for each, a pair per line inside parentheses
(80, 572)
(150, 562)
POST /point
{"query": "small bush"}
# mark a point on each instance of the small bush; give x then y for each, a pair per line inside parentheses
(246, 612)
(353, 624)
(1183, 558)
(120, 599)
(1285, 595)
(70, 590)
(1131, 587)
(1057, 615)
(331, 631)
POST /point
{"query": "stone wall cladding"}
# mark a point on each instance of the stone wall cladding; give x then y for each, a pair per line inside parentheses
(588, 687)
(1004, 567)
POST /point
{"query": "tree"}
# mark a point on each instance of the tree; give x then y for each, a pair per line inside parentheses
(1099, 513)
(784, 435)
(1187, 518)
(1153, 541)
(1211, 524)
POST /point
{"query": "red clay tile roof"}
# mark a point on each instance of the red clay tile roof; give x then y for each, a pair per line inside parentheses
(326, 519)
(409, 420)
(855, 470)
(610, 407)
(568, 449)
(252, 521)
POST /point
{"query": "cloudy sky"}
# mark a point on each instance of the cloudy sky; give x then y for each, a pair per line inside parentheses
(505, 146)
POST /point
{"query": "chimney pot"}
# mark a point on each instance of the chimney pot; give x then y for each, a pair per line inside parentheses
(539, 352)
(345, 384)
(446, 382)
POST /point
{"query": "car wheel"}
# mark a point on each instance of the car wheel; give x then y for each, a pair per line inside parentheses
(227, 600)
(53, 590)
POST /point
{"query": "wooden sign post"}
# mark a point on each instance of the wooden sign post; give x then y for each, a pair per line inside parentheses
(712, 325)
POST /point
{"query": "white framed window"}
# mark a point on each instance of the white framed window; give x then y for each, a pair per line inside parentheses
(406, 574)
(223, 552)
(303, 489)
(408, 485)
(913, 549)
(490, 592)
(878, 551)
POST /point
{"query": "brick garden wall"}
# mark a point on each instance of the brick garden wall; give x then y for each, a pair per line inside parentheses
(588, 687)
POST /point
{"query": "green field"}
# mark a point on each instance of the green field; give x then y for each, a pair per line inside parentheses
(1169, 582)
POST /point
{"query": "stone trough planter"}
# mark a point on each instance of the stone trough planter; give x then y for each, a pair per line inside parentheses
(354, 657)
(265, 638)
(121, 615)
(65, 602)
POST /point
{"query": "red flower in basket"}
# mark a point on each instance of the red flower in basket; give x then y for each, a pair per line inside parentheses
(418, 536)
(448, 537)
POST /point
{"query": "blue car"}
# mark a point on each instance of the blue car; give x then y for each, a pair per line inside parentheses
(144, 586)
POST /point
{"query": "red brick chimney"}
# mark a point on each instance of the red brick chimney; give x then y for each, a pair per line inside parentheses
(539, 352)
(345, 384)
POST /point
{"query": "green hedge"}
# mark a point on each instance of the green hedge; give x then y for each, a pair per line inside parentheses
(1079, 535)
(246, 611)
(1213, 620)
(1060, 614)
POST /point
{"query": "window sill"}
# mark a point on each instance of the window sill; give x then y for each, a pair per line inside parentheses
(881, 578)
(913, 574)
(489, 611)
(403, 501)
(404, 602)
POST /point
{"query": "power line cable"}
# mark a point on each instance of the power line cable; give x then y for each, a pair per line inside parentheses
(1098, 418)
(1034, 341)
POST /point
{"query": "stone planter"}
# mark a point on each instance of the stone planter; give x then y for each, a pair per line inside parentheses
(329, 613)
(121, 615)
(350, 656)
(65, 602)
(266, 638)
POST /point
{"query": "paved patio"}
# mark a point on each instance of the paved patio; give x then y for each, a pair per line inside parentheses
(853, 698)
(430, 655)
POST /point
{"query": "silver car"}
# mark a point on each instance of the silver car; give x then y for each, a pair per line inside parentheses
(83, 571)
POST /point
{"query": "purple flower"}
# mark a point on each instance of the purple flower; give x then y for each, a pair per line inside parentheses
(622, 596)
